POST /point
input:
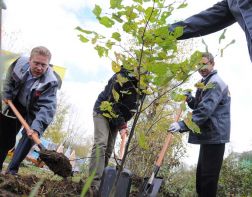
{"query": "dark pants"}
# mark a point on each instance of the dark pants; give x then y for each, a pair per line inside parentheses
(24, 146)
(208, 169)
(9, 128)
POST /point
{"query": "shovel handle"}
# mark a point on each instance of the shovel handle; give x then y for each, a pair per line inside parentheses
(122, 146)
(24, 123)
(168, 141)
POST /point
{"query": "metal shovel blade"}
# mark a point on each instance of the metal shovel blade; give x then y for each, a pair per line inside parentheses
(124, 184)
(107, 181)
(151, 190)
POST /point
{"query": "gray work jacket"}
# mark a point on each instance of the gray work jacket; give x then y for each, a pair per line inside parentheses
(41, 100)
(211, 112)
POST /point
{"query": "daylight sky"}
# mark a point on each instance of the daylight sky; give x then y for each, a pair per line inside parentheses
(52, 23)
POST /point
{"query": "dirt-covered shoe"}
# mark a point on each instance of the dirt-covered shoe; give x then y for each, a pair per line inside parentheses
(14, 173)
(93, 192)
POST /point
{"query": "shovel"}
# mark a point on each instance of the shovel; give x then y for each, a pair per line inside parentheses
(109, 176)
(152, 185)
(57, 162)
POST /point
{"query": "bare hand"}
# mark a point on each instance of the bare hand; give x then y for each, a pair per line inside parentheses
(31, 133)
(6, 101)
(123, 132)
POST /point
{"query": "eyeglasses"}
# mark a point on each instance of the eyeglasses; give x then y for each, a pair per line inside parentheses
(202, 65)
(40, 64)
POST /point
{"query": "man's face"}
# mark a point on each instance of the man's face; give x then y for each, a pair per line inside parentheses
(205, 67)
(38, 65)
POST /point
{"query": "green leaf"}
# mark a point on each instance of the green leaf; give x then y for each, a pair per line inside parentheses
(182, 5)
(117, 17)
(204, 43)
(121, 80)
(199, 85)
(142, 141)
(107, 115)
(116, 96)
(190, 124)
(83, 30)
(116, 36)
(97, 10)
(178, 31)
(230, 43)
(115, 4)
(106, 106)
(138, 1)
(102, 51)
(222, 36)
(148, 12)
(116, 67)
(109, 44)
(82, 38)
(35, 190)
(125, 92)
(106, 21)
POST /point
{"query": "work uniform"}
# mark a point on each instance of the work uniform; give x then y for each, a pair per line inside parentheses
(35, 99)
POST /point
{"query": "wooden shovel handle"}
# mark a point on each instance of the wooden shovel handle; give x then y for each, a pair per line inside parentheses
(23, 122)
(168, 141)
(122, 146)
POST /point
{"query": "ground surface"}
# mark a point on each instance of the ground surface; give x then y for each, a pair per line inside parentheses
(23, 185)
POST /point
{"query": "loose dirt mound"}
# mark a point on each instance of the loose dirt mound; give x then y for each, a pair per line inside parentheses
(14, 186)
(22, 185)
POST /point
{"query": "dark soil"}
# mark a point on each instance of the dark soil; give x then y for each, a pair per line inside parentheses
(57, 162)
(23, 185)
(14, 186)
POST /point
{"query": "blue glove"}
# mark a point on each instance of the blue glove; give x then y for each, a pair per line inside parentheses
(174, 127)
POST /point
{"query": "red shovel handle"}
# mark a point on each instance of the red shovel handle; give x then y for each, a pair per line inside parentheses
(122, 145)
(168, 141)
(23, 122)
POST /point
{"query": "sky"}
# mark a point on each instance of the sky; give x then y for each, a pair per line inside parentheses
(30, 23)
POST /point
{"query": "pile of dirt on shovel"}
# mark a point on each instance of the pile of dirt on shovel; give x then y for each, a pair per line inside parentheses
(57, 162)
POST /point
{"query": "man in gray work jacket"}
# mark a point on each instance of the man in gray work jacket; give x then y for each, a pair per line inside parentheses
(217, 17)
(32, 86)
(211, 112)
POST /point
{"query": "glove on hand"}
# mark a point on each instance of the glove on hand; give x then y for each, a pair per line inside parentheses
(174, 127)
(188, 95)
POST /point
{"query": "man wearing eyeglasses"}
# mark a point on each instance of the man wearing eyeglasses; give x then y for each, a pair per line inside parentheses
(32, 86)
(211, 112)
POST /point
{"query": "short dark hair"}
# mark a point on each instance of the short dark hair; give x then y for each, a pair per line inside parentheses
(209, 56)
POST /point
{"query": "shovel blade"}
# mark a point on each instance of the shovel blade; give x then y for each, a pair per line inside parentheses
(124, 184)
(107, 181)
(150, 190)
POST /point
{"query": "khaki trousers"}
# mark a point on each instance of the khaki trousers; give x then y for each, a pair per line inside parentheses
(104, 141)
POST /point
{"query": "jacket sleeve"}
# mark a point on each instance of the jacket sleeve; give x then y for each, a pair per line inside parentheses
(46, 105)
(210, 100)
(205, 108)
(206, 22)
(9, 83)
